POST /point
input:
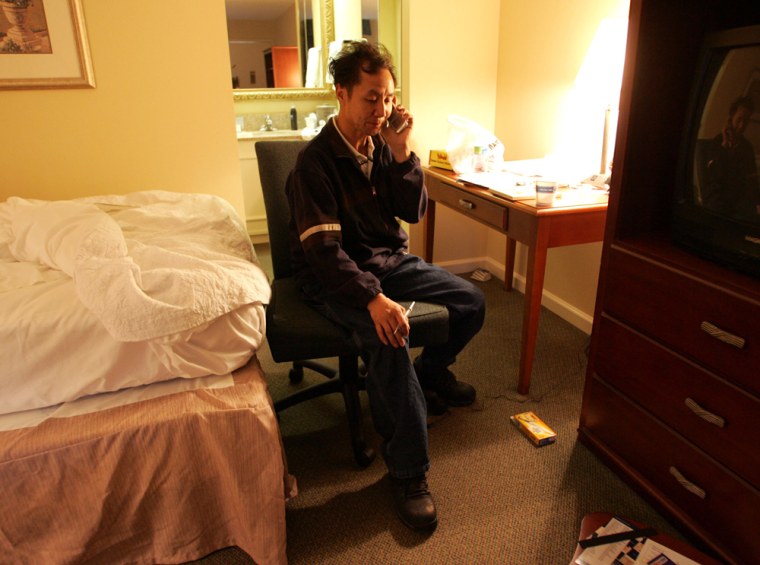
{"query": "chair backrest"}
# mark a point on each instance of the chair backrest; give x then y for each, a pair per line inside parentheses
(276, 160)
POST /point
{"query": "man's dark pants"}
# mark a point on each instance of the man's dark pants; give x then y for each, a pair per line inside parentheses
(396, 400)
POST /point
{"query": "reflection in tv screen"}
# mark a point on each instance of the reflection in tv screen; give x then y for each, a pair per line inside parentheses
(726, 153)
(717, 209)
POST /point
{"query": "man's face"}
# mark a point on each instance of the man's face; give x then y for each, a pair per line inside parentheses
(740, 119)
(364, 111)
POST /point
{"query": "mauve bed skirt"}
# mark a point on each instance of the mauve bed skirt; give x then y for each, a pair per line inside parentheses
(165, 480)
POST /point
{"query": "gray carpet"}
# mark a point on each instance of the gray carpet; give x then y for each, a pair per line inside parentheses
(499, 498)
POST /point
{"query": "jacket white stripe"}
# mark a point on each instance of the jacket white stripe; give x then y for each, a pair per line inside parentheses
(316, 229)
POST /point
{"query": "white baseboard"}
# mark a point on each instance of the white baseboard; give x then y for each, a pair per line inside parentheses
(257, 229)
(257, 239)
(551, 301)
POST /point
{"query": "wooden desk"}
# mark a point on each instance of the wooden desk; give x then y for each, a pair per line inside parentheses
(567, 222)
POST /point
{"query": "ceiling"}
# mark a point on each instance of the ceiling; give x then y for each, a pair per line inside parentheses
(266, 10)
(256, 9)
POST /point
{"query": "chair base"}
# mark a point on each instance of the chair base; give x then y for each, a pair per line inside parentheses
(349, 384)
(295, 375)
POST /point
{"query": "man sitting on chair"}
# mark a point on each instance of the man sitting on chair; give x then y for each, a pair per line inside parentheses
(349, 186)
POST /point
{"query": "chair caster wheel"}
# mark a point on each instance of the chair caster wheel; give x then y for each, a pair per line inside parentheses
(295, 375)
(364, 456)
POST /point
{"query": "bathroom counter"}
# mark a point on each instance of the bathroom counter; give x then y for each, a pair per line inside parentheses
(277, 134)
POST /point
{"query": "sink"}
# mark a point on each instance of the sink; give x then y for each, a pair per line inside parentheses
(277, 134)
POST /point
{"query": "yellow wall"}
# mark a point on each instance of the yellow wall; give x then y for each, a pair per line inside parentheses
(449, 62)
(541, 49)
(160, 117)
(510, 66)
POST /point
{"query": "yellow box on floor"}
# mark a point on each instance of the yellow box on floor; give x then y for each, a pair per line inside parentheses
(534, 428)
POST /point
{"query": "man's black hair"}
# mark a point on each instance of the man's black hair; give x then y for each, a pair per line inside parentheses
(742, 102)
(356, 57)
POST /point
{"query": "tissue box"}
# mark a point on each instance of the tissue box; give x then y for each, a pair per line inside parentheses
(439, 158)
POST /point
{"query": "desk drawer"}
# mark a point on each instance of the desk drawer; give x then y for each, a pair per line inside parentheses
(468, 203)
(640, 291)
(661, 382)
(703, 492)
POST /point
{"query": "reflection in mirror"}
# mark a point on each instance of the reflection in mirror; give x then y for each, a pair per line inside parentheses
(264, 42)
(279, 48)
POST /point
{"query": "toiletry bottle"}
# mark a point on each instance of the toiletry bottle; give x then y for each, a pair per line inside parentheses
(478, 159)
(293, 118)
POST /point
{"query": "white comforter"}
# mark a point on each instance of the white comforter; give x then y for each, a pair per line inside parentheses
(102, 293)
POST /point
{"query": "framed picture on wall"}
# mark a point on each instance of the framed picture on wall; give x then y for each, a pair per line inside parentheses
(43, 44)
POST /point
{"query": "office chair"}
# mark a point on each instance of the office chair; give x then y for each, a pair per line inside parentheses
(298, 333)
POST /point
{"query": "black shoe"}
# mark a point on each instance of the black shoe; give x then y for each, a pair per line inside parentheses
(444, 384)
(414, 503)
(436, 406)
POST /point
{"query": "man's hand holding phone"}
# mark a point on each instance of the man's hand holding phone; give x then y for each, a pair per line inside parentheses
(398, 127)
(397, 121)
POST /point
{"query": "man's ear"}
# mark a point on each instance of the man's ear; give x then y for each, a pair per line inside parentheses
(341, 93)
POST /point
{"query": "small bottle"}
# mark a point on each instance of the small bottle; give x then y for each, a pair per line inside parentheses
(478, 159)
(293, 118)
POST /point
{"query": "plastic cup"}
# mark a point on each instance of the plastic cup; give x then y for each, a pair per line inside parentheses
(545, 191)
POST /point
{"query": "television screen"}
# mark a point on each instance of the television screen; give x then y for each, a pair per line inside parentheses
(717, 212)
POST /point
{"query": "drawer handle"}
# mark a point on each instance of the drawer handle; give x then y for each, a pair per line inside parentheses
(687, 484)
(724, 336)
(704, 414)
(466, 204)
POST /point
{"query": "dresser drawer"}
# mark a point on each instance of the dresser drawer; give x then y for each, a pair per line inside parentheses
(677, 391)
(469, 204)
(674, 308)
(719, 506)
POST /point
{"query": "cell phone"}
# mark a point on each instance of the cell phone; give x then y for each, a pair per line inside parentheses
(397, 121)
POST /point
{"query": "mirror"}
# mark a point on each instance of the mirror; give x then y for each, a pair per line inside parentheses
(288, 30)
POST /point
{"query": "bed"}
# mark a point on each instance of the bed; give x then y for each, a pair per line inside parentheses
(135, 421)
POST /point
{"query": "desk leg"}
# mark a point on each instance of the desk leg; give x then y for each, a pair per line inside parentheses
(429, 237)
(509, 262)
(534, 285)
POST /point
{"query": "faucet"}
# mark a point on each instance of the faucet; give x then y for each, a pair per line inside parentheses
(267, 124)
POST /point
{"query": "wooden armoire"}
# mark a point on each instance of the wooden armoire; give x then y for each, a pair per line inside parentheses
(670, 403)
